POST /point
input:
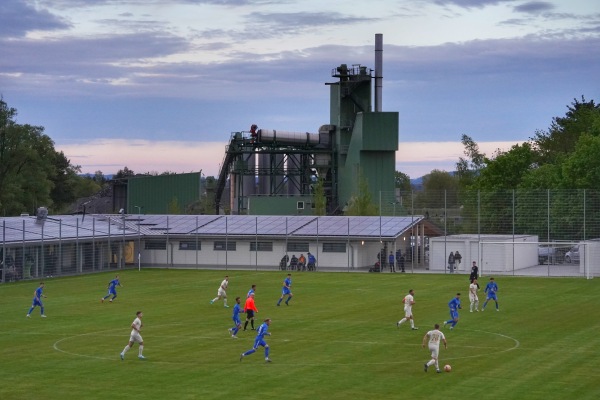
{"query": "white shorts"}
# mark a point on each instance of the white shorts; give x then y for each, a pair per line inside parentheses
(408, 312)
(136, 338)
(221, 292)
(435, 351)
(473, 298)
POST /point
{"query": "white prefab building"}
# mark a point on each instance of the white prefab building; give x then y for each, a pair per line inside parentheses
(493, 253)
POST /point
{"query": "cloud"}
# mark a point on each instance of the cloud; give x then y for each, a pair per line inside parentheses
(470, 3)
(17, 18)
(534, 7)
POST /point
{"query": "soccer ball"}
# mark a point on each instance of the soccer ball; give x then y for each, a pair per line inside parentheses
(447, 368)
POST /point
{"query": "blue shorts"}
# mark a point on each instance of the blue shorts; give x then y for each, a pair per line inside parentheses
(492, 296)
(112, 291)
(285, 291)
(237, 321)
(453, 314)
(259, 342)
(36, 302)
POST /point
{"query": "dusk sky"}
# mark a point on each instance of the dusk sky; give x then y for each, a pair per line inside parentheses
(159, 85)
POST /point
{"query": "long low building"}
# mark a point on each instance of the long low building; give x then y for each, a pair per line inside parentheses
(33, 246)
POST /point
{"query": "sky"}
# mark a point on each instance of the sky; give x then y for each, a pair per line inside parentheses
(160, 85)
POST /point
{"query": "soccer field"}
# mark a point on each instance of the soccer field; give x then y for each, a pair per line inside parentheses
(337, 340)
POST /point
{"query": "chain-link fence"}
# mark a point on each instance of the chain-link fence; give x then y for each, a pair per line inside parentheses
(544, 232)
(551, 215)
(33, 249)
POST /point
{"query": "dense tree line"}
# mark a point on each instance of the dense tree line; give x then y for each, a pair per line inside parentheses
(549, 185)
(32, 172)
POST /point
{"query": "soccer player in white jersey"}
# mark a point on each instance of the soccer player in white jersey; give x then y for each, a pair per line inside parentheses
(136, 337)
(408, 301)
(473, 298)
(434, 337)
(221, 292)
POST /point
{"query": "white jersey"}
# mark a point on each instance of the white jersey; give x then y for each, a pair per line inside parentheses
(473, 291)
(435, 337)
(408, 302)
(138, 326)
(135, 334)
(222, 288)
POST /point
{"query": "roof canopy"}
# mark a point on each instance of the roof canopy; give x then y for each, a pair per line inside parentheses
(30, 229)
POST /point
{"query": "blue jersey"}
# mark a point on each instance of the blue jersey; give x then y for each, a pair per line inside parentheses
(250, 292)
(454, 304)
(260, 335)
(113, 284)
(236, 313)
(287, 286)
(37, 297)
(491, 287)
(262, 332)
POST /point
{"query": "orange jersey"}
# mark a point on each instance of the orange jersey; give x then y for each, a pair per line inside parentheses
(250, 305)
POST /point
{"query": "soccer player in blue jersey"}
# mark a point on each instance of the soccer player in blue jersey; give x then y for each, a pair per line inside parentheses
(237, 322)
(260, 341)
(491, 288)
(37, 301)
(251, 291)
(112, 289)
(286, 290)
(454, 306)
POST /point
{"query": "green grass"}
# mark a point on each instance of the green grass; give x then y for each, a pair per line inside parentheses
(338, 339)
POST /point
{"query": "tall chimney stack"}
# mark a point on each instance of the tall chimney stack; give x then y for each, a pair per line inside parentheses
(378, 70)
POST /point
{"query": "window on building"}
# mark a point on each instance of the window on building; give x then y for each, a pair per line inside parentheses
(155, 245)
(261, 246)
(297, 247)
(334, 247)
(222, 245)
(190, 245)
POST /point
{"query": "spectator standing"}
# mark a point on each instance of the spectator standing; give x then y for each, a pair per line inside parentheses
(457, 258)
(451, 262)
(312, 262)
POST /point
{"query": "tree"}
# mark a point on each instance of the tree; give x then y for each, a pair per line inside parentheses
(507, 169)
(564, 132)
(440, 189)
(319, 197)
(402, 181)
(99, 178)
(30, 167)
(124, 173)
(467, 169)
(173, 207)
(206, 204)
(539, 182)
(362, 204)
(67, 185)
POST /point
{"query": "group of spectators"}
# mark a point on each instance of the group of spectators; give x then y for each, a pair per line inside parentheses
(298, 263)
